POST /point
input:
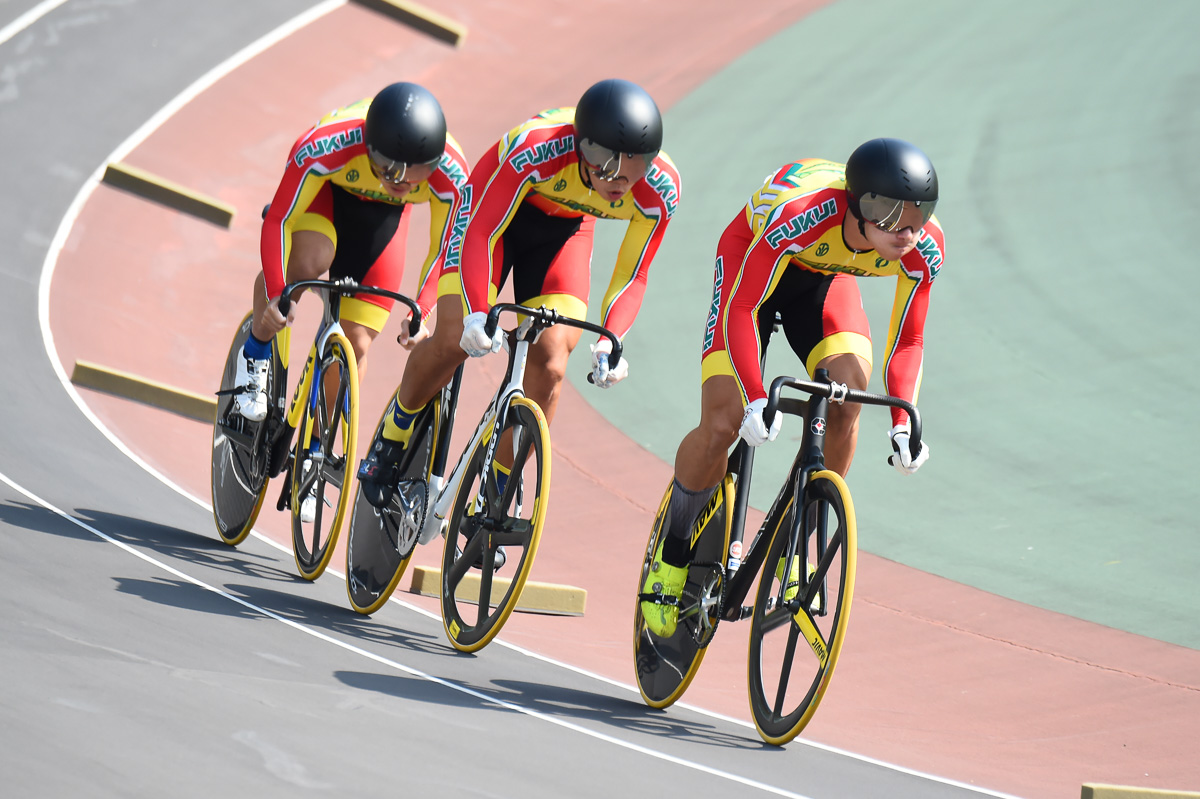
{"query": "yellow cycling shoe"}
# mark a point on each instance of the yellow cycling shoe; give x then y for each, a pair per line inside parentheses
(664, 582)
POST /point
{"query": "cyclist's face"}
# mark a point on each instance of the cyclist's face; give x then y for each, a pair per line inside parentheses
(633, 169)
(892, 245)
(412, 176)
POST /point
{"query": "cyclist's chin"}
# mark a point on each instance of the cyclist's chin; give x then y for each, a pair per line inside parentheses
(398, 192)
(612, 195)
(894, 252)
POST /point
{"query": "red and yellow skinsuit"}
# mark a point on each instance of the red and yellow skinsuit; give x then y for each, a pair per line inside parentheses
(795, 222)
(537, 164)
(333, 153)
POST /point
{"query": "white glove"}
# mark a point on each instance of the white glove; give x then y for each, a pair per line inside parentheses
(754, 430)
(903, 460)
(601, 374)
(475, 340)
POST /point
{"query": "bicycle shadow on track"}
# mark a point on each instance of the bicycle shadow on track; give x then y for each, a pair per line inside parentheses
(575, 705)
(624, 714)
(185, 545)
(319, 614)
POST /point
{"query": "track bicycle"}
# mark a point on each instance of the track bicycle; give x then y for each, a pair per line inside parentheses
(324, 408)
(799, 616)
(380, 541)
(491, 515)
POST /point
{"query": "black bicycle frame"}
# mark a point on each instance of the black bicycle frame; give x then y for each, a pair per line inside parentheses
(810, 458)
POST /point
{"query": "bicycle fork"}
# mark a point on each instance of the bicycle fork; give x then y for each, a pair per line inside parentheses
(442, 491)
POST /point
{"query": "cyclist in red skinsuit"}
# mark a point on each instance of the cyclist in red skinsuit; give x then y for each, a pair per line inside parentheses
(796, 249)
(529, 210)
(340, 208)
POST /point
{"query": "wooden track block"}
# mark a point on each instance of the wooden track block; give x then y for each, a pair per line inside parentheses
(420, 18)
(172, 195)
(551, 598)
(149, 392)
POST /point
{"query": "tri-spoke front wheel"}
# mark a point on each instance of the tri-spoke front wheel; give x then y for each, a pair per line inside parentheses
(323, 458)
(801, 608)
(497, 517)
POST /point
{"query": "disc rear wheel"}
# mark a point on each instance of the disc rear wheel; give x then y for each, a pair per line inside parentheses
(665, 667)
(380, 541)
(240, 447)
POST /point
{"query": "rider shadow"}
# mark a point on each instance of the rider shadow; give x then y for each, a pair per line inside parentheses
(319, 614)
(415, 688)
(183, 595)
(620, 713)
(184, 545)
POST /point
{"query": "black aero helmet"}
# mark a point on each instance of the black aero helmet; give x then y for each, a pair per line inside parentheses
(405, 125)
(616, 117)
(883, 175)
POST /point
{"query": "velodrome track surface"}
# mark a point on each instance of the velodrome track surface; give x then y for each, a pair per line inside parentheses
(936, 677)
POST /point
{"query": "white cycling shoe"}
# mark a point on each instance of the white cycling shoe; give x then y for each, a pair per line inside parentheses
(251, 377)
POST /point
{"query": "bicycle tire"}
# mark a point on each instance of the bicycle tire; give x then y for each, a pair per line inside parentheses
(240, 455)
(471, 612)
(794, 645)
(665, 667)
(379, 546)
(334, 426)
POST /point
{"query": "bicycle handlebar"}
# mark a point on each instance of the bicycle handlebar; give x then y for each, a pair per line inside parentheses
(547, 317)
(828, 391)
(348, 287)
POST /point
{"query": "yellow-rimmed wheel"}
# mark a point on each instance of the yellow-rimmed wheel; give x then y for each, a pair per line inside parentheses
(323, 458)
(665, 667)
(801, 609)
(494, 527)
(380, 541)
(240, 456)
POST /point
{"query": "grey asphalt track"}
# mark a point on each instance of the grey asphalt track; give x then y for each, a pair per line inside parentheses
(140, 657)
(1060, 366)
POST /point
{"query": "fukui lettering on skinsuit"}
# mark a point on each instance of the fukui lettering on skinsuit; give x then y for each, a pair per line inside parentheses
(328, 144)
(459, 229)
(664, 187)
(541, 152)
(714, 312)
(933, 256)
(453, 171)
(800, 223)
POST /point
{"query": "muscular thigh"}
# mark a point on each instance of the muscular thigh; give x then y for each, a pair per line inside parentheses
(370, 240)
(822, 316)
(549, 259)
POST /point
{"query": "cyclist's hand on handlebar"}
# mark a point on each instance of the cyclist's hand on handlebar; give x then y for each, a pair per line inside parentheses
(475, 341)
(408, 342)
(601, 374)
(273, 321)
(902, 458)
(754, 429)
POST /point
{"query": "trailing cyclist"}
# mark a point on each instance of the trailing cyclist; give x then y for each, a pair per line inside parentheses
(340, 208)
(795, 249)
(529, 210)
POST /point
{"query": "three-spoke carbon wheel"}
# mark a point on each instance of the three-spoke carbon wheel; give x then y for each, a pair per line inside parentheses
(798, 625)
(478, 595)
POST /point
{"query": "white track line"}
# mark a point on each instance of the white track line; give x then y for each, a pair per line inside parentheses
(28, 18)
(51, 262)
